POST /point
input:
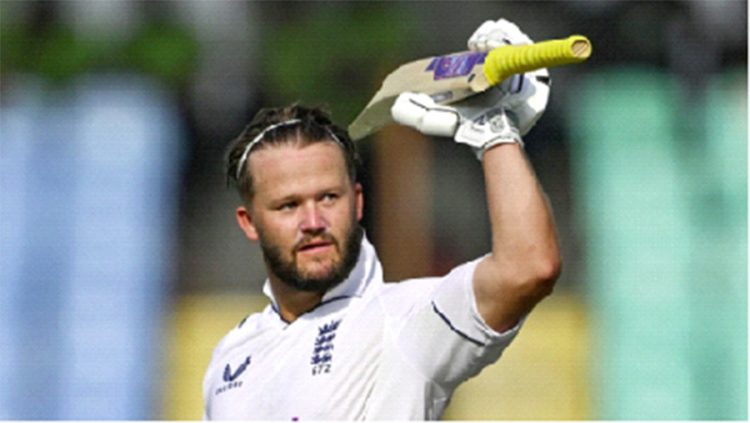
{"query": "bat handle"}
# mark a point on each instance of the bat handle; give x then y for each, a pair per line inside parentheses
(505, 61)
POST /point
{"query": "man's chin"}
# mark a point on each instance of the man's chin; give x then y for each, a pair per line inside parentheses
(316, 284)
(317, 274)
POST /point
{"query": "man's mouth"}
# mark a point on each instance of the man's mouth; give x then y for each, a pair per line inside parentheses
(315, 246)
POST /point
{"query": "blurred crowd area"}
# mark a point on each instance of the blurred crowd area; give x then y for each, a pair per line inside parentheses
(121, 264)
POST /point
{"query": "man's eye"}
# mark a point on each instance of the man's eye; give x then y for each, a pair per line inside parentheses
(288, 206)
(328, 197)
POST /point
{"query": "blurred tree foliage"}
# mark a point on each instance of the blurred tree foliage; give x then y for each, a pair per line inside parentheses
(335, 56)
(164, 50)
(56, 52)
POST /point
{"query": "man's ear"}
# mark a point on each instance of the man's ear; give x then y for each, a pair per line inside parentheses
(246, 223)
(359, 200)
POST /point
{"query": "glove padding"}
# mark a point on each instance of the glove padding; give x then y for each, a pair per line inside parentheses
(500, 115)
(526, 94)
(477, 121)
(420, 112)
(493, 34)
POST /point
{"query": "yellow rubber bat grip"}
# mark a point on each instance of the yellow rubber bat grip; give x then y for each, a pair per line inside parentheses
(505, 61)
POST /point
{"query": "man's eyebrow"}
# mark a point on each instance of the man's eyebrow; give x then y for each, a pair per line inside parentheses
(284, 199)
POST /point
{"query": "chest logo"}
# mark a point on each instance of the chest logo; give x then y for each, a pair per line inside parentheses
(322, 355)
(230, 377)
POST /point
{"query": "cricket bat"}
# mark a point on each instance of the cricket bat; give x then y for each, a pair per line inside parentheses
(454, 77)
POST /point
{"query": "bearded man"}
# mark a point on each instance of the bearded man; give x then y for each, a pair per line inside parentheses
(336, 342)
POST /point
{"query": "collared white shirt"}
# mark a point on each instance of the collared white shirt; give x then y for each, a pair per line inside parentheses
(370, 350)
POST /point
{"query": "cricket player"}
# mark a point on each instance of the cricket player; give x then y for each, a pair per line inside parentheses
(336, 342)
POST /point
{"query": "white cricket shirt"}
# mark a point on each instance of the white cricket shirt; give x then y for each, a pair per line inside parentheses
(370, 350)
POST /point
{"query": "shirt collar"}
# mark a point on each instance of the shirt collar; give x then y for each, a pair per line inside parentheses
(366, 270)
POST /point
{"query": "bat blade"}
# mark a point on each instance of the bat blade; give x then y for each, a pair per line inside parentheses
(454, 77)
(445, 78)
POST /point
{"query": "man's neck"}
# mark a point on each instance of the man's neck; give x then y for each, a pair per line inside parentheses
(292, 302)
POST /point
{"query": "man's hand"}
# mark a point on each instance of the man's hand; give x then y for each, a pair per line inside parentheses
(500, 115)
(480, 121)
(527, 94)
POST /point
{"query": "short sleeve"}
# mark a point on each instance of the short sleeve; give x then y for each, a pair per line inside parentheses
(445, 337)
(454, 300)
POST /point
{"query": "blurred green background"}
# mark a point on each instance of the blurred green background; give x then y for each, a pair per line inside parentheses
(121, 265)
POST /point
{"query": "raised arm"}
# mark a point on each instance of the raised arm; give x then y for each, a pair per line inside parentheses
(525, 260)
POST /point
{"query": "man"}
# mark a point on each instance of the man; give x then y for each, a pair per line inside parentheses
(336, 343)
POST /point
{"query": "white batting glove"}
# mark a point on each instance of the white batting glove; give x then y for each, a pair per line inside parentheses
(480, 121)
(527, 94)
(420, 112)
(500, 115)
(493, 34)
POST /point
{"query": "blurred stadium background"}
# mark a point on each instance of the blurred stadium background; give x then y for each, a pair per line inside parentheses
(120, 263)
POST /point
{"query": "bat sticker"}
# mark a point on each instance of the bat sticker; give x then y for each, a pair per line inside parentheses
(455, 65)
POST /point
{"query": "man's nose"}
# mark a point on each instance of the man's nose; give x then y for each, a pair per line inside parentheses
(312, 219)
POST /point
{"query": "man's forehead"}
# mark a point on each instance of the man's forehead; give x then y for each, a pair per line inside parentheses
(280, 153)
(286, 164)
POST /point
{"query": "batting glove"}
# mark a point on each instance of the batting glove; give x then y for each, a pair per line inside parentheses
(500, 115)
(527, 94)
(480, 121)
